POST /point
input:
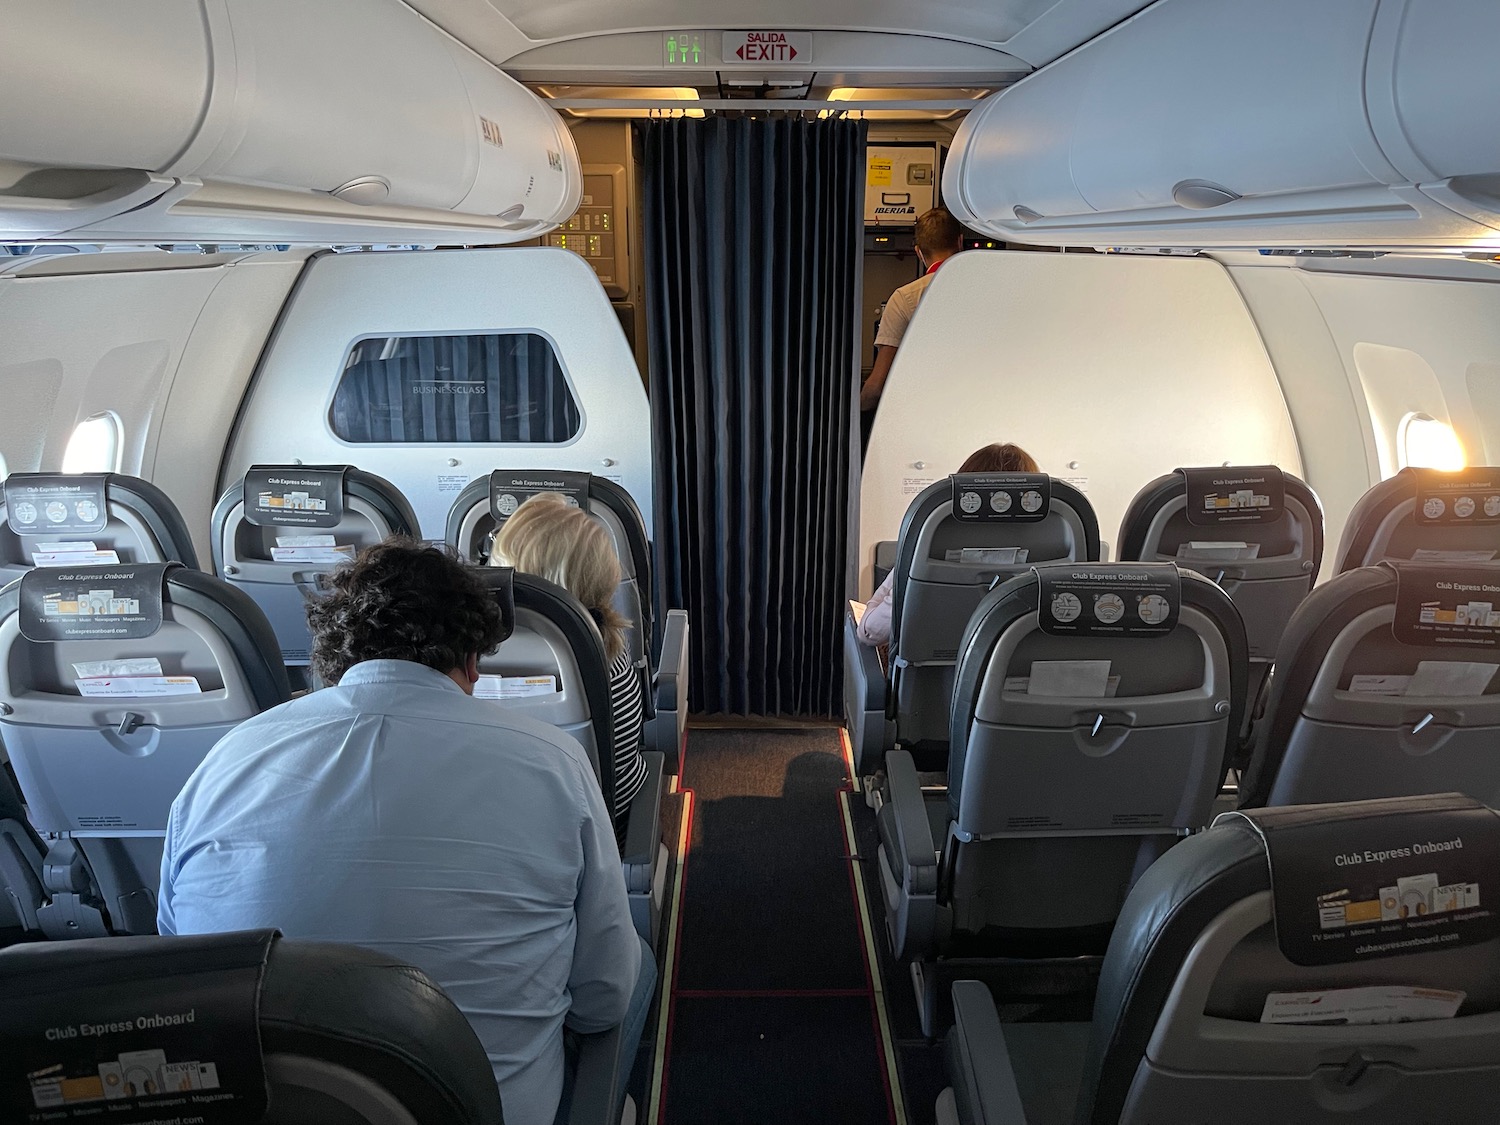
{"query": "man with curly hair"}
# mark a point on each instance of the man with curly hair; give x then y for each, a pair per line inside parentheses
(395, 811)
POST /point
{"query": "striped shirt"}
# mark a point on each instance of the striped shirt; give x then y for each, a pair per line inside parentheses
(630, 721)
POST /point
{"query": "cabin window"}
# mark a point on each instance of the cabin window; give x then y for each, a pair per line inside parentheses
(1426, 443)
(4, 468)
(501, 387)
(94, 446)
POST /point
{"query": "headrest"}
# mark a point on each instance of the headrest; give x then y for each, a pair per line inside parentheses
(1108, 599)
(1369, 879)
(1468, 496)
(1234, 494)
(172, 1034)
(295, 495)
(120, 601)
(1001, 497)
(509, 489)
(501, 583)
(1438, 604)
(56, 503)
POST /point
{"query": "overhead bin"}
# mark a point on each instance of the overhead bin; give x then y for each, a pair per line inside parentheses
(1219, 123)
(248, 120)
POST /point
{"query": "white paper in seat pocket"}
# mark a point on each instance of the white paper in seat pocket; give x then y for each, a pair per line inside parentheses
(514, 687)
(1451, 678)
(1370, 684)
(1087, 679)
(129, 686)
(1371, 1005)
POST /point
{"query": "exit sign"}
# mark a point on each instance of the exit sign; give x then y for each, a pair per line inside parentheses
(768, 46)
(682, 48)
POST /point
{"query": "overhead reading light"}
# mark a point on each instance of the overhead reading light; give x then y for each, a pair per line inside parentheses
(1026, 214)
(1200, 195)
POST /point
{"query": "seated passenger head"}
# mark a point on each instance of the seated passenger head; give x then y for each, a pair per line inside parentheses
(401, 600)
(550, 538)
(1005, 458)
(937, 236)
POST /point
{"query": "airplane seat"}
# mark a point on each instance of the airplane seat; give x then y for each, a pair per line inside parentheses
(552, 668)
(1265, 556)
(303, 1031)
(1425, 515)
(486, 502)
(115, 683)
(1243, 985)
(108, 511)
(1092, 718)
(1371, 700)
(21, 853)
(281, 528)
(959, 537)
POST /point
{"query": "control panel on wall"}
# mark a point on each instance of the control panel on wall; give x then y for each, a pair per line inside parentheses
(596, 231)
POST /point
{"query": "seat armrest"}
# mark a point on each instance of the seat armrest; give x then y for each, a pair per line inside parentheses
(598, 1083)
(984, 1084)
(643, 825)
(672, 669)
(906, 811)
(864, 698)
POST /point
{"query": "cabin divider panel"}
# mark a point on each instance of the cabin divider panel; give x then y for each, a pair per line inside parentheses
(753, 232)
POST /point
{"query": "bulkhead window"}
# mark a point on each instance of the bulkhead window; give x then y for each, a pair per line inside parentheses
(496, 388)
(94, 446)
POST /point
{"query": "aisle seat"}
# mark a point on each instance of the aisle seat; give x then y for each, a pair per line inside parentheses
(946, 559)
(484, 504)
(1077, 758)
(554, 660)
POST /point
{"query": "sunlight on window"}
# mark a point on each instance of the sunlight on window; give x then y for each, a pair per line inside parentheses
(4, 468)
(94, 446)
(1427, 443)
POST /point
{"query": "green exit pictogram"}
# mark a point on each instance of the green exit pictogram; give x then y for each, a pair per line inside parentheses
(682, 48)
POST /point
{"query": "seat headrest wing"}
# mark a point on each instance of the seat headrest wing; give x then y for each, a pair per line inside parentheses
(509, 489)
(161, 1018)
(56, 503)
(295, 495)
(91, 603)
(1108, 600)
(1234, 494)
(1438, 604)
(1001, 497)
(501, 582)
(1369, 879)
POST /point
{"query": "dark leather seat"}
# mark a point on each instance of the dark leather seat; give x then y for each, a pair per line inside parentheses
(347, 1036)
(1177, 1033)
(1383, 524)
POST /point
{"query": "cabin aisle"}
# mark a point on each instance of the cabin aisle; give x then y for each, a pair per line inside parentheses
(772, 1013)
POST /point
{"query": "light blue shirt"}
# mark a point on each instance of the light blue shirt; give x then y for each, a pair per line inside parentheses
(398, 813)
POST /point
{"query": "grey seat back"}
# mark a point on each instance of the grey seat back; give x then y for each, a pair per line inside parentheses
(101, 772)
(486, 502)
(1331, 732)
(311, 1032)
(1177, 1032)
(1393, 521)
(1266, 559)
(140, 524)
(937, 586)
(370, 509)
(555, 637)
(1074, 788)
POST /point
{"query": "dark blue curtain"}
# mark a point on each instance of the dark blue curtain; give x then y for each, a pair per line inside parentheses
(753, 232)
(499, 387)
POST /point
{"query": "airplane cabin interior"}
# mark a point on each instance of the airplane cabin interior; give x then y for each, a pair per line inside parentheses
(1045, 458)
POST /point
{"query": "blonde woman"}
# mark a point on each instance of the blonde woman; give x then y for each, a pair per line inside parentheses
(550, 538)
